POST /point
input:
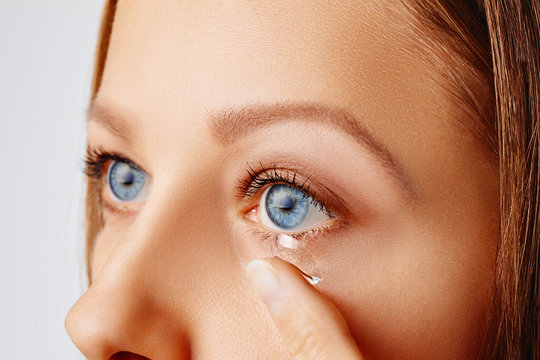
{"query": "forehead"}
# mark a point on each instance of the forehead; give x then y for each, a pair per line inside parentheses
(172, 62)
(186, 52)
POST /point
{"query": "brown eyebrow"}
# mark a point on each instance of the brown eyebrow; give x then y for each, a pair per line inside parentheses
(115, 122)
(231, 124)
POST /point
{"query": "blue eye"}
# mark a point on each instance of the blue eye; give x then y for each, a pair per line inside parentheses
(126, 181)
(285, 208)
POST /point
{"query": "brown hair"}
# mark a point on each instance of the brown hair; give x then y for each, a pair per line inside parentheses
(94, 219)
(514, 27)
(500, 41)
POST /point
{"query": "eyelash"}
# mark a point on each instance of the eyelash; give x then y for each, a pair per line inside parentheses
(263, 176)
(97, 157)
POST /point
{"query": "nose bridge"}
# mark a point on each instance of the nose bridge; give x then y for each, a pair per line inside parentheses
(182, 232)
(144, 298)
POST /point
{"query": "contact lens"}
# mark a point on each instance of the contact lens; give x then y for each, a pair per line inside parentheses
(296, 250)
(297, 253)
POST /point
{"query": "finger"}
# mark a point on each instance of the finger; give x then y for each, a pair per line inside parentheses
(309, 324)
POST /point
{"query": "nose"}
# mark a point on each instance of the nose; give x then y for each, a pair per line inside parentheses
(136, 305)
(118, 318)
(153, 296)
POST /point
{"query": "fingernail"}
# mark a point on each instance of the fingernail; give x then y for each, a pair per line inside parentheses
(266, 282)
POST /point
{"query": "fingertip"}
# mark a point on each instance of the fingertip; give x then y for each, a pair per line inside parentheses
(256, 264)
(266, 282)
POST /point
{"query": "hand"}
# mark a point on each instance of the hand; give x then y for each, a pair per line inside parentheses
(310, 325)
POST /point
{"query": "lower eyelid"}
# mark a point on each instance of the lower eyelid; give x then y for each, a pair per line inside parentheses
(307, 238)
(107, 201)
(308, 234)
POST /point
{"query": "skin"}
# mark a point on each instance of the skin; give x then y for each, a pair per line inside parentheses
(410, 264)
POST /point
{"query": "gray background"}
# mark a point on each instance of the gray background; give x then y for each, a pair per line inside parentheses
(46, 61)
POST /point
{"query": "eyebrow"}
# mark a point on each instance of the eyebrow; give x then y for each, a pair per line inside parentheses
(231, 124)
(115, 122)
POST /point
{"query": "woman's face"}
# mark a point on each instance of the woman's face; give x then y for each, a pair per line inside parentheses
(217, 101)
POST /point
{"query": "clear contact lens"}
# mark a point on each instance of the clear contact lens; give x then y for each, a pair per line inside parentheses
(297, 253)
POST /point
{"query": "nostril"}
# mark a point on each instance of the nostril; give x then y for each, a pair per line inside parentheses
(126, 355)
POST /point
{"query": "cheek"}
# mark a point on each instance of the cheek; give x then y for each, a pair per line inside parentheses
(409, 290)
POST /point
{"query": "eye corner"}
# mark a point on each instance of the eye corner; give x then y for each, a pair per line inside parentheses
(252, 214)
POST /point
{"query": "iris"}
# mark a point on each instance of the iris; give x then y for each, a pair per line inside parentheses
(126, 181)
(286, 206)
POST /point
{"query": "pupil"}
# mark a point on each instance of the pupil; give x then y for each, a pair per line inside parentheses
(286, 203)
(128, 178)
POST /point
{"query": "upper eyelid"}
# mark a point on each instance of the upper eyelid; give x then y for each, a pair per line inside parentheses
(99, 154)
(289, 179)
(274, 173)
(332, 201)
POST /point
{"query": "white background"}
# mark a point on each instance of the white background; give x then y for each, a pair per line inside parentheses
(46, 59)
